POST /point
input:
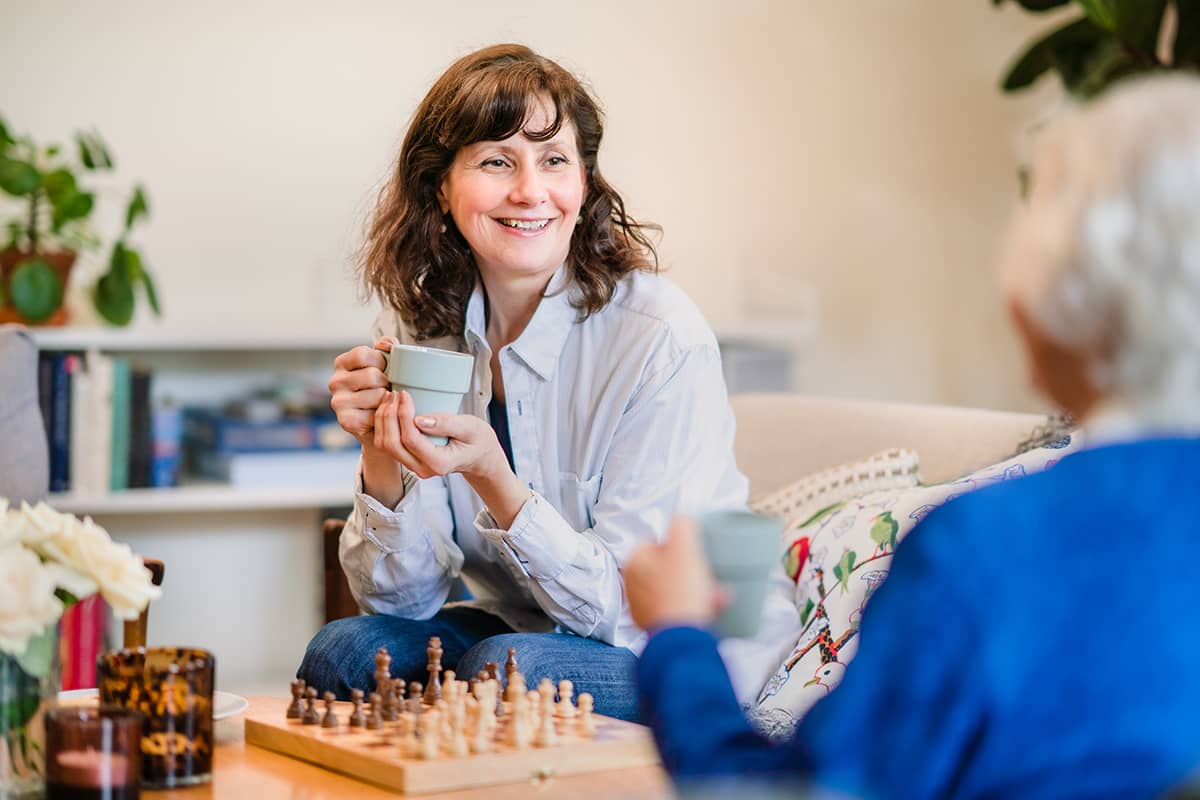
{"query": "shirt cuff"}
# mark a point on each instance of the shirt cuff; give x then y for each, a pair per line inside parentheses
(539, 542)
(391, 529)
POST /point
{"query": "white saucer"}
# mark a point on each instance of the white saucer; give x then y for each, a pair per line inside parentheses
(225, 704)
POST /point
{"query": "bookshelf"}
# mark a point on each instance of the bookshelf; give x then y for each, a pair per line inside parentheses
(209, 366)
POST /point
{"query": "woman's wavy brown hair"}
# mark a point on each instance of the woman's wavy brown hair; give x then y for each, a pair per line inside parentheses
(427, 273)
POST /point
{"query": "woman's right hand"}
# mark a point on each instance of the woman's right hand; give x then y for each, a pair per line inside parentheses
(358, 385)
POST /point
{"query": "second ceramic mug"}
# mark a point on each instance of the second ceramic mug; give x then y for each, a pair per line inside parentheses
(741, 548)
(436, 379)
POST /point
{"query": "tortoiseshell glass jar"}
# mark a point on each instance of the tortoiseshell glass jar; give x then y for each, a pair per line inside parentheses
(173, 688)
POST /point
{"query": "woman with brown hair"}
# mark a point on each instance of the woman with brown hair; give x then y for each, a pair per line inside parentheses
(597, 405)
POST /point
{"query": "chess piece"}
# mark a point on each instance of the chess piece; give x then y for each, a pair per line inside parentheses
(330, 719)
(375, 721)
(296, 708)
(547, 736)
(566, 706)
(383, 671)
(394, 700)
(357, 718)
(430, 734)
(510, 664)
(586, 724)
(433, 690)
(414, 697)
(409, 746)
(492, 669)
(310, 717)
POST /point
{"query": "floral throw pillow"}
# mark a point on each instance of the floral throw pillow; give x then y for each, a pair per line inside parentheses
(837, 557)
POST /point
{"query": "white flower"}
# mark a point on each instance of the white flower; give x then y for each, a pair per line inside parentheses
(27, 601)
(82, 558)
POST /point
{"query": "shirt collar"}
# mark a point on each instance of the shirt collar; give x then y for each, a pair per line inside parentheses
(541, 343)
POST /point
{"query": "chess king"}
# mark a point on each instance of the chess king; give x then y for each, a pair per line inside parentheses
(597, 406)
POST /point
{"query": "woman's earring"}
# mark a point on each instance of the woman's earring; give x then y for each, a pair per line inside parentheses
(579, 219)
(443, 228)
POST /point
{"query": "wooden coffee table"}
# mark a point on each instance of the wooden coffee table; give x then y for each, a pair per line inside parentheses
(241, 771)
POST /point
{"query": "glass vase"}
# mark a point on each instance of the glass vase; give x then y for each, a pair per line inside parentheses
(28, 685)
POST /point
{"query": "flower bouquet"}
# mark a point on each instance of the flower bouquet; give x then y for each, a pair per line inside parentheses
(49, 561)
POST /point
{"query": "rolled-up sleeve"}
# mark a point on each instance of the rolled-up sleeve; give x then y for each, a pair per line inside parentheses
(671, 450)
(401, 560)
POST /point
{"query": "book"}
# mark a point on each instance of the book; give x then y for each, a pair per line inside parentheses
(82, 478)
(60, 421)
(141, 442)
(311, 468)
(166, 435)
(100, 416)
(118, 477)
(208, 430)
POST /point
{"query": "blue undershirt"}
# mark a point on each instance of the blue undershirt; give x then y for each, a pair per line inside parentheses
(498, 416)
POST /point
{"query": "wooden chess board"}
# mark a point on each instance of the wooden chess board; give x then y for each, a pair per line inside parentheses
(374, 755)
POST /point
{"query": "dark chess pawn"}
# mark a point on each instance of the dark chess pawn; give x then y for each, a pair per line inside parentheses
(296, 708)
(310, 717)
(414, 697)
(357, 718)
(392, 707)
(510, 665)
(375, 721)
(493, 670)
(330, 719)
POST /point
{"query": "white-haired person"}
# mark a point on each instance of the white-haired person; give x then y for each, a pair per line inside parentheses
(1037, 638)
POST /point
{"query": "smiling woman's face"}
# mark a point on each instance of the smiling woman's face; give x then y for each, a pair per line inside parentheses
(516, 201)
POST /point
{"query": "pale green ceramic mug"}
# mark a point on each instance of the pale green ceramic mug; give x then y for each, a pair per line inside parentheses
(741, 548)
(436, 379)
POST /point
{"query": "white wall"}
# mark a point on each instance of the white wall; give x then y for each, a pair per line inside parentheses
(860, 149)
(857, 150)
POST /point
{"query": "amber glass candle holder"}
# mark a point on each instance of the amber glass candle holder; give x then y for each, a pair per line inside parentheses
(93, 753)
(173, 689)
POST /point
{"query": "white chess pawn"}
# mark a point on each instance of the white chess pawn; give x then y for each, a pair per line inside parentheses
(518, 724)
(547, 736)
(409, 746)
(566, 706)
(431, 728)
(586, 724)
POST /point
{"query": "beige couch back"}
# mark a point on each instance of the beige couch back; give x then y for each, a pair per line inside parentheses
(783, 437)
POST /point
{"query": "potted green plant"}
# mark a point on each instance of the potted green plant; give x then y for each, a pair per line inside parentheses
(48, 228)
(1106, 41)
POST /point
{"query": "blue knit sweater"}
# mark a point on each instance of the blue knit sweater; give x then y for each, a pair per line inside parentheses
(1040, 638)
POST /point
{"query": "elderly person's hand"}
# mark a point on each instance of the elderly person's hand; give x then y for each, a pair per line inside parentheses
(671, 584)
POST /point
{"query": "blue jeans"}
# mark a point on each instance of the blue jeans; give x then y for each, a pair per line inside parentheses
(342, 655)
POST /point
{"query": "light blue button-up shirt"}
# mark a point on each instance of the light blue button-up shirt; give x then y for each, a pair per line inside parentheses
(617, 422)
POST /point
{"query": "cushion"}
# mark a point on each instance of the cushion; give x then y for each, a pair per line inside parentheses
(838, 556)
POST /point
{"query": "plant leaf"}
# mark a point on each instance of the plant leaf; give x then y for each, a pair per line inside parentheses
(74, 206)
(1036, 5)
(1186, 50)
(5, 137)
(36, 290)
(59, 184)
(92, 151)
(113, 297)
(138, 207)
(18, 177)
(151, 292)
(1133, 21)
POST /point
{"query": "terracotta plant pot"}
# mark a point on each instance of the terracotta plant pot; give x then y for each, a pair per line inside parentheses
(61, 261)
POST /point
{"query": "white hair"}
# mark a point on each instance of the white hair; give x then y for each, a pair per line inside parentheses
(1105, 255)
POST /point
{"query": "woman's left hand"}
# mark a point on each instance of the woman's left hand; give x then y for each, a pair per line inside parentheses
(473, 450)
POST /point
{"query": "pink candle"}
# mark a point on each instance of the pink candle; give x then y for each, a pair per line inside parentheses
(93, 769)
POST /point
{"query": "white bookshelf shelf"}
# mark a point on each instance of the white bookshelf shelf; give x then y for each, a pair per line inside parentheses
(201, 498)
(115, 340)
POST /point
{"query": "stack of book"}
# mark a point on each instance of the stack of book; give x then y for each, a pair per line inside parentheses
(104, 432)
(298, 451)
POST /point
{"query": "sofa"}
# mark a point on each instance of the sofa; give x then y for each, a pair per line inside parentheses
(850, 479)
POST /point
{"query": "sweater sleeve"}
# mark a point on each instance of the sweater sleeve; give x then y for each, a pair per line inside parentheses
(905, 715)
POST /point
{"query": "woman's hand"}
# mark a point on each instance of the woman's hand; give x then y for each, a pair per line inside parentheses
(670, 583)
(473, 450)
(358, 385)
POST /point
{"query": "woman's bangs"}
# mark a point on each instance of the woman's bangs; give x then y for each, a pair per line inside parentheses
(494, 113)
